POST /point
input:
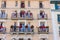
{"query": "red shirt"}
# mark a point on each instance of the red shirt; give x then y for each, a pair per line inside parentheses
(42, 26)
(30, 14)
(23, 12)
(1, 27)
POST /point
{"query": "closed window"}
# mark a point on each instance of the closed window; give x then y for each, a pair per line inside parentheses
(28, 3)
(58, 17)
(59, 30)
(57, 6)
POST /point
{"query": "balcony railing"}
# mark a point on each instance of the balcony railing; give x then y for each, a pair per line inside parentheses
(29, 18)
(42, 16)
(3, 16)
(43, 30)
(21, 30)
(14, 16)
(23, 16)
(3, 30)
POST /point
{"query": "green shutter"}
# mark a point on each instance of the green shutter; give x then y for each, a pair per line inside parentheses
(56, 6)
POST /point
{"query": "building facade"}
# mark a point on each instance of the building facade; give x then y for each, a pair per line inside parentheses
(25, 20)
(55, 9)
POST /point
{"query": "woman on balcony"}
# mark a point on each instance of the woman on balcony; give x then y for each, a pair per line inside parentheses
(20, 27)
(32, 27)
(14, 15)
(11, 28)
(29, 29)
(22, 14)
(42, 28)
(2, 29)
(42, 14)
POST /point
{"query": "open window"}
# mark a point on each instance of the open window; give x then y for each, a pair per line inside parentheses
(3, 14)
(43, 38)
(21, 39)
(3, 4)
(40, 5)
(13, 38)
(22, 4)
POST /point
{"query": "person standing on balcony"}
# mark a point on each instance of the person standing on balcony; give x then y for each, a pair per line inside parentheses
(2, 14)
(15, 14)
(42, 27)
(28, 14)
(41, 14)
(15, 26)
(1, 27)
(32, 27)
(22, 14)
(29, 27)
(20, 27)
(23, 27)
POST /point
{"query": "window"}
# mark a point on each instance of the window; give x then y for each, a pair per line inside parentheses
(3, 14)
(57, 6)
(40, 5)
(16, 3)
(1, 23)
(1, 39)
(42, 23)
(29, 38)
(14, 39)
(28, 3)
(22, 24)
(3, 5)
(43, 38)
(21, 39)
(59, 30)
(58, 16)
(22, 4)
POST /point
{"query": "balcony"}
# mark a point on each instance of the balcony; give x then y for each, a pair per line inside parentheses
(22, 30)
(43, 30)
(3, 16)
(42, 17)
(29, 16)
(14, 16)
(22, 15)
(2, 30)
(13, 29)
